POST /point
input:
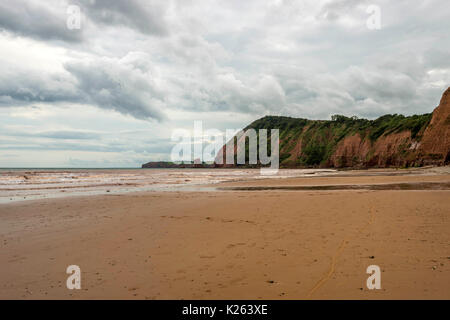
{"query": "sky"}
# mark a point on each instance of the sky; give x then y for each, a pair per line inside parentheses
(110, 90)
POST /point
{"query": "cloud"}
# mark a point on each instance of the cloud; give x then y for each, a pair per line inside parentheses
(69, 135)
(230, 91)
(437, 58)
(205, 64)
(147, 17)
(338, 9)
(40, 20)
(125, 85)
(178, 61)
(20, 87)
(47, 20)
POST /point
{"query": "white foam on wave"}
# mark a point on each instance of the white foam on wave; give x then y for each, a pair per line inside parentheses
(25, 185)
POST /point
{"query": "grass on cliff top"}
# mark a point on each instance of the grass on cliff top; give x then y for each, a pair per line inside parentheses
(342, 125)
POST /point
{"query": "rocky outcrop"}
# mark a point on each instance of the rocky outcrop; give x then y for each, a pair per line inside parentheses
(169, 165)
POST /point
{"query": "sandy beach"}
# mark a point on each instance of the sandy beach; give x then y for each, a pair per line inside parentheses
(236, 244)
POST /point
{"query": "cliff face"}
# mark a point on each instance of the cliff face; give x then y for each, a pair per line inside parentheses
(391, 140)
(435, 145)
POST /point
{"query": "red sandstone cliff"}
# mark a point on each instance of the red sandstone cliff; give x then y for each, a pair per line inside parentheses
(391, 140)
(435, 145)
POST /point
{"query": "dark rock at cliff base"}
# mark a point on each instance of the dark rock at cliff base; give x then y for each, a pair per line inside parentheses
(166, 164)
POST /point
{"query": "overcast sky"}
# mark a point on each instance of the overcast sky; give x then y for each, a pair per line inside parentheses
(110, 93)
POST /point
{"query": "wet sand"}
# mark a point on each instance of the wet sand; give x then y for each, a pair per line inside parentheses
(234, 244)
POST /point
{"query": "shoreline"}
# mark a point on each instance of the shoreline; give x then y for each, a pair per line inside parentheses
(33, 185)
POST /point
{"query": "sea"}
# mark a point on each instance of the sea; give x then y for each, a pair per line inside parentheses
(22, 184)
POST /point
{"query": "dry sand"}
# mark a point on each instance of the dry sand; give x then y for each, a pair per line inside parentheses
(275, 244)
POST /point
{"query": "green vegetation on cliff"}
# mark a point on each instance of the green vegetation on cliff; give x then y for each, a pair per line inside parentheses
(312, 142)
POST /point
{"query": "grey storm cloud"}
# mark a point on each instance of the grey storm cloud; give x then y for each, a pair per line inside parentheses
(21, 87)
(119, 85)
(33, 145)
(123, 85)
(226, 91)
(80, 141)
(55, 134)
(230, 62)
(47, 20)
(221, 58)
(37, 20)
(147, 17)
(69, 135)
